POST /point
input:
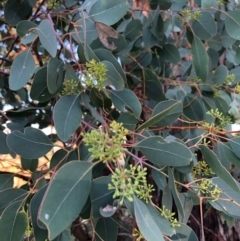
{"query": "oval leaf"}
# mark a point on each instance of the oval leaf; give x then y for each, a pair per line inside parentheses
(47, 37)
(65, 197)
(232, 24)
(67, 115)
(146, 224)
(114, 79)
(22, 70)
(216, 166)
(163, 153)
(200, 58)
(126, 98)
(160, 115)
(108, 12)
(55, 75)
(31, 144)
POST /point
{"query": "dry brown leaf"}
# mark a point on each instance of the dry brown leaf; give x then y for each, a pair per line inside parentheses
(105, 32)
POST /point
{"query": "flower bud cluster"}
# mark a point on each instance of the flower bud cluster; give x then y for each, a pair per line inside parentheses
(96, 74)
(166, 213)
(202, 170)
(105, 147)
(130, 182)
(207, 188)
(70, 87)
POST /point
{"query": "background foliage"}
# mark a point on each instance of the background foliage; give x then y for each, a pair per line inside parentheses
(144, 100)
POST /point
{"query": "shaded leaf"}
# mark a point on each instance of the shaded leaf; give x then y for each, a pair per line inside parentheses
(6, 181)
(3, 143)
(200, 58)
(100, 195)
(218, 168)
(114, 79)
(65, 196)
(163, 223)
(9, 196)
(33, 143)
(67, 115)
(22, 70)
(47, 37)
(29, 164)
(108, 12)
(184, 233)
(171, 182)
(40, 234)
(204, 27)
(160, 115)
(106, 229)
(171, 53)
(12, 223)
(39, 90)
(146, 224)
(126, 98)
(170, 117)
(55, 75)
(14, 13)
(232, 24)
(229, 199)
(163, 153)
(220, 75)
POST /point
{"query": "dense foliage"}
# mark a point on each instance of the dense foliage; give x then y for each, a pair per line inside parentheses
(145, 100)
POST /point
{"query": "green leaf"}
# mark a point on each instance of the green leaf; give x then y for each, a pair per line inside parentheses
(159, 179)
(39, 90)
(163, 223)
(232, 24)
(16, 12)
(101, 196)
(22, 70)
(146, 224)
(163, 153)
(13, 224)
(218, 168)
(205, 27)
(24, 27)
(128, 120)
(55, 75)
(184, 233)
(108, 12)
(104, 54)
(3, 143)
(229, 199)
(200, 58)
(67, 115)
(40, 234)
(29, 164)
(175, 194)
(170, 117)
(47, 37)
(114, 79)
(220, 75)
(65, 197)
(192, 103)
(86, 101)
(84, 31)
(61, 157)
(64, 236)
(235, 145)
(11, 195)
(171, 53)
(126, 98)
(31, 144)
(6, 181)
(106, 229)
(160, 115)
(133, 30)
(187, 204)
